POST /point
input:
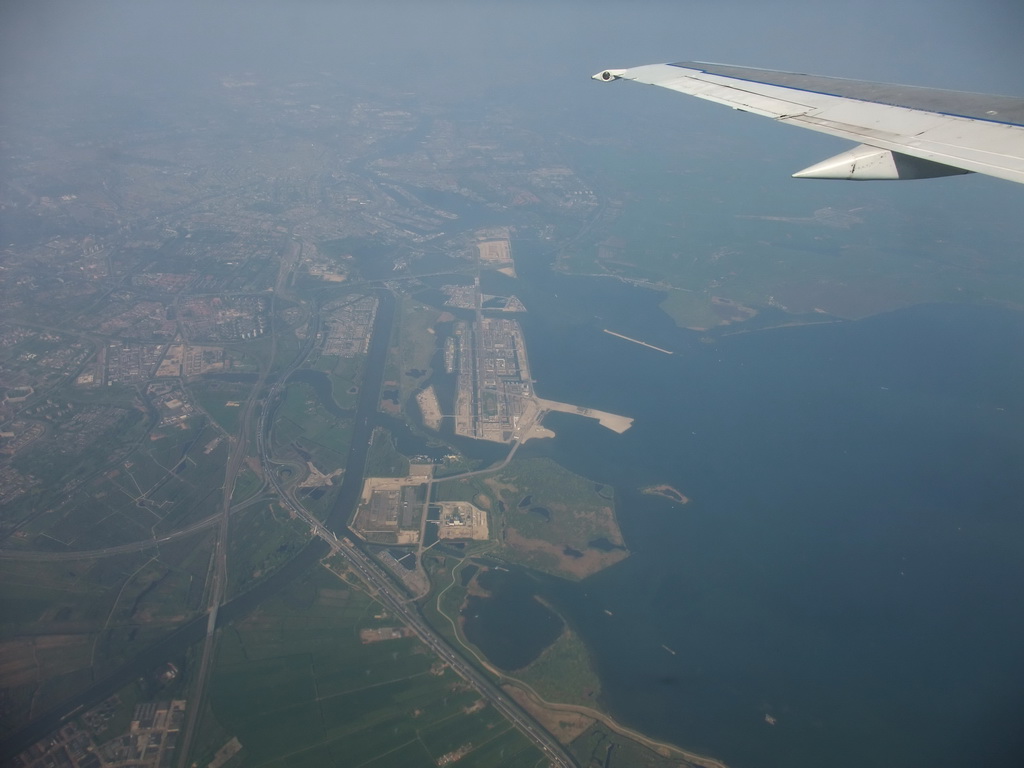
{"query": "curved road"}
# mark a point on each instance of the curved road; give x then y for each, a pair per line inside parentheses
(132, 546)
(204, 626)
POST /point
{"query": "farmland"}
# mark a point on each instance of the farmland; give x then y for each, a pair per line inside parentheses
(296, 684)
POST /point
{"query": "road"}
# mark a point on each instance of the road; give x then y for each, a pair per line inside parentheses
(378, 581)
(239, 447)
(366, 568)
(239, 450)
(133, 546)
(387, 592)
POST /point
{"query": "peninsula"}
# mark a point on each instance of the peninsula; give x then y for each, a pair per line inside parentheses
(495, 399)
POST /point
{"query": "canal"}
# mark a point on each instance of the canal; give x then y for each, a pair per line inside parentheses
(180, 640)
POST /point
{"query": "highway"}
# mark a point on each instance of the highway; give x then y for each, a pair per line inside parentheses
(203, 627)
(380, 583)
(388, 594)
(217, 588)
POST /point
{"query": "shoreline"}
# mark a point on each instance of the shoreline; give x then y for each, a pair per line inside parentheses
(663, 748)
(535, 700)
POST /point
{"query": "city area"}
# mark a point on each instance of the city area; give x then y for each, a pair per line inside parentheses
(148, 743)
(187, 365)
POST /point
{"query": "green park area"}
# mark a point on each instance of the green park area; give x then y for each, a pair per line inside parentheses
(223, 401)
(563, 673)
(545, 517)
(413, 344)
(383, 458)
(306, 430)
(345, 374)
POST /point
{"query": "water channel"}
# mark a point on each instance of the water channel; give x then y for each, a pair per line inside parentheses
(180, 640)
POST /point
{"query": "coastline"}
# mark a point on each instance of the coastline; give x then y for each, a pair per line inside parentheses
(546, 711)
(662, 748)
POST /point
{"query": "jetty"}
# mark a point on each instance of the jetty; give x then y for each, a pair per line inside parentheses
(637, 341)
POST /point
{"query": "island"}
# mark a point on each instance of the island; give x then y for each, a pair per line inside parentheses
(666, 492)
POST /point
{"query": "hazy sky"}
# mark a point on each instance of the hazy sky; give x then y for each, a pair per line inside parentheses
(536, 56)
(950, 43)
(104, 62)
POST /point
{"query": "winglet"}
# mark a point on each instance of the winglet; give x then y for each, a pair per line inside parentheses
(607, 75)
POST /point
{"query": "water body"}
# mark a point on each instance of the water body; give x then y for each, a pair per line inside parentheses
(509, 625)
(850, 561)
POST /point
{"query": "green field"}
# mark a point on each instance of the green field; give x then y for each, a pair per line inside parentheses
(383, 459)
(72, 452)
(298, 687)
(599, 743)
(545, 517)
(442, 608)
(256, 354)
(262, 539)
(164, 485)
(223, 401)
(346, 375)
(302, 421)
(415, 346)
(563, 673)
(247, 485)
(64, 623)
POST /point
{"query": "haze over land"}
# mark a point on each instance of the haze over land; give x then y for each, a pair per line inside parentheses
(252, 254)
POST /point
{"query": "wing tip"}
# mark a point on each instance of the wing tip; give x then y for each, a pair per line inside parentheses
(607, 75)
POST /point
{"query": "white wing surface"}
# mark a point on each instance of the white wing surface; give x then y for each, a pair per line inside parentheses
(905, 132)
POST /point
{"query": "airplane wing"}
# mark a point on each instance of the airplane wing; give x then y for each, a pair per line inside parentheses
(905, 132)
